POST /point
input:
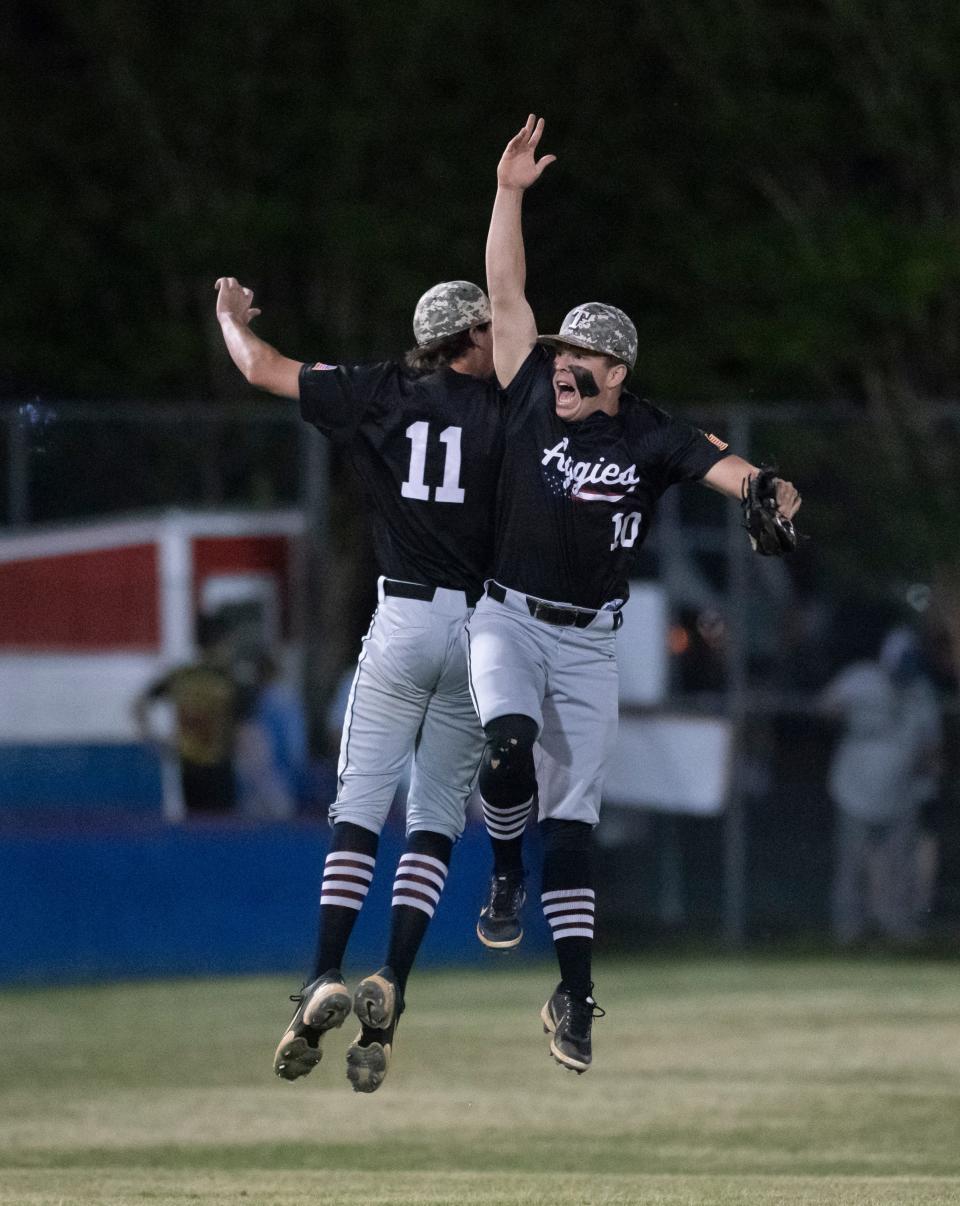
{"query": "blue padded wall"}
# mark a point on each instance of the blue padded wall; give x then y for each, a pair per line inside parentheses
(211, 898)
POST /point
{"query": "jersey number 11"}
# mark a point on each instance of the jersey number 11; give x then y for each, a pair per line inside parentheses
(415, 487)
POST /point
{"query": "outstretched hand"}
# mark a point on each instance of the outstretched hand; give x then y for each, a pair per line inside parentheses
(234, 301)
(519, 167)
(768, 504)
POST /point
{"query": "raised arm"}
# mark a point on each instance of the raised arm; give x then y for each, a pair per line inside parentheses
(514, 326)
(261, 364)
(728, 477)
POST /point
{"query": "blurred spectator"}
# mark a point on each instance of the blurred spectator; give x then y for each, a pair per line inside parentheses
(204, 696)
(917, 678)
(879, 777)
(272, 763)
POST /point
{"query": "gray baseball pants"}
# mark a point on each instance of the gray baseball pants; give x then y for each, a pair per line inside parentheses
(410, 694)
(564, 678)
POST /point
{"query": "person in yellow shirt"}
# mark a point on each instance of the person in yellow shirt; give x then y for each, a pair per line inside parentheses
(205, 700)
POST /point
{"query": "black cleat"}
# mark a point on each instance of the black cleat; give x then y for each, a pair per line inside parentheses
(322, 1005)
(499, 925)
(569, 1020)
(378, 1003)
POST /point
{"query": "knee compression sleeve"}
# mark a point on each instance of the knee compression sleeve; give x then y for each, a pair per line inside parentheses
(507, 776)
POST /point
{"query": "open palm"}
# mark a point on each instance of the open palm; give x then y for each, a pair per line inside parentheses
(519, 166)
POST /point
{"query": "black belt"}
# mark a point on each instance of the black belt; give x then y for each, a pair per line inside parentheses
(414, 590)
(408, 590)
(550, 613)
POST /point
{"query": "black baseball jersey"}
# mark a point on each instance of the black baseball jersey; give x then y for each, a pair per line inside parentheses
(576, 500)
(427, 449)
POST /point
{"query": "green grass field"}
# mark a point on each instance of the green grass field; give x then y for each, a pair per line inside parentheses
(714, 1081)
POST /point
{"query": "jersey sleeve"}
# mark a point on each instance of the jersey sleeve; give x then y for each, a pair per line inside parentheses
(335, 398)
(688, 453)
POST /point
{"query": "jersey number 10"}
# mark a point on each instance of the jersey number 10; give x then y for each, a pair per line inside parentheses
(626, 529)
(415, 487)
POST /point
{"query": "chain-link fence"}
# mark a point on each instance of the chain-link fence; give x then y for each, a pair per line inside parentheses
(751, 640)
(81, 460)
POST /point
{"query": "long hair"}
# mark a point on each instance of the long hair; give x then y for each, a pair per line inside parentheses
(437, 355)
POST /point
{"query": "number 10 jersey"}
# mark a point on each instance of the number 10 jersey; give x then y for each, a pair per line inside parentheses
(427, 449)
(577, 499)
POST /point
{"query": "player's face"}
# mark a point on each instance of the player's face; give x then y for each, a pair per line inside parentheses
(583, 382)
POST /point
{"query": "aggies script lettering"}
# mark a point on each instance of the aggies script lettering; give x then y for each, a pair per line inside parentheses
(579, 474)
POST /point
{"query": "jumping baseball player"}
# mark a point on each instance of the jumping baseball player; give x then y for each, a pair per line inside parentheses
(426, 440)
(584, 464)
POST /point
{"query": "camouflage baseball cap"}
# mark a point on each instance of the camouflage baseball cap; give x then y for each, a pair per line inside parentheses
(447, 309)
(598, 328)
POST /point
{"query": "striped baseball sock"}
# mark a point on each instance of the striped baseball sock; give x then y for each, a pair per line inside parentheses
(505, 827)
(421, 874)
(568, 899)
(347, 872)
(570, 913)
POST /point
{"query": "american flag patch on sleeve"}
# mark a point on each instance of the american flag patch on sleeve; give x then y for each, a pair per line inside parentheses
(714, 440)
(328, 367)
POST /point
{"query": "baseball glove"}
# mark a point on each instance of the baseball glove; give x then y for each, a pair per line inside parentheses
(771, 534)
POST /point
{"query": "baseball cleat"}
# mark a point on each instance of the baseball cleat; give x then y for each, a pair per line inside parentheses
(569, 1020)
(499, 926)
(322, 1005)
(378, 1003)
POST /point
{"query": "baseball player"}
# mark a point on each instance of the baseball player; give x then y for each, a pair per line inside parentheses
(584, 464)
(426, 440)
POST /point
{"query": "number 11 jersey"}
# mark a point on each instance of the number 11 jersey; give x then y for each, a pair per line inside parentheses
(427, 449)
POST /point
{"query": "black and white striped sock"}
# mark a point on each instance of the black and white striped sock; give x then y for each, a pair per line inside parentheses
(346, 879)
(505, 827)
(506, 823)
(417, 885)
(570, 913)
(418, 882)
(347, 873)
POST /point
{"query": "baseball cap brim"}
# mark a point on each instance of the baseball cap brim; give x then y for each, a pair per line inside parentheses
(570, 342)
(442, 339)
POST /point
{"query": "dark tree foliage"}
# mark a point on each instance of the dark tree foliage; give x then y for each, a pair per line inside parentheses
(770, 188)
